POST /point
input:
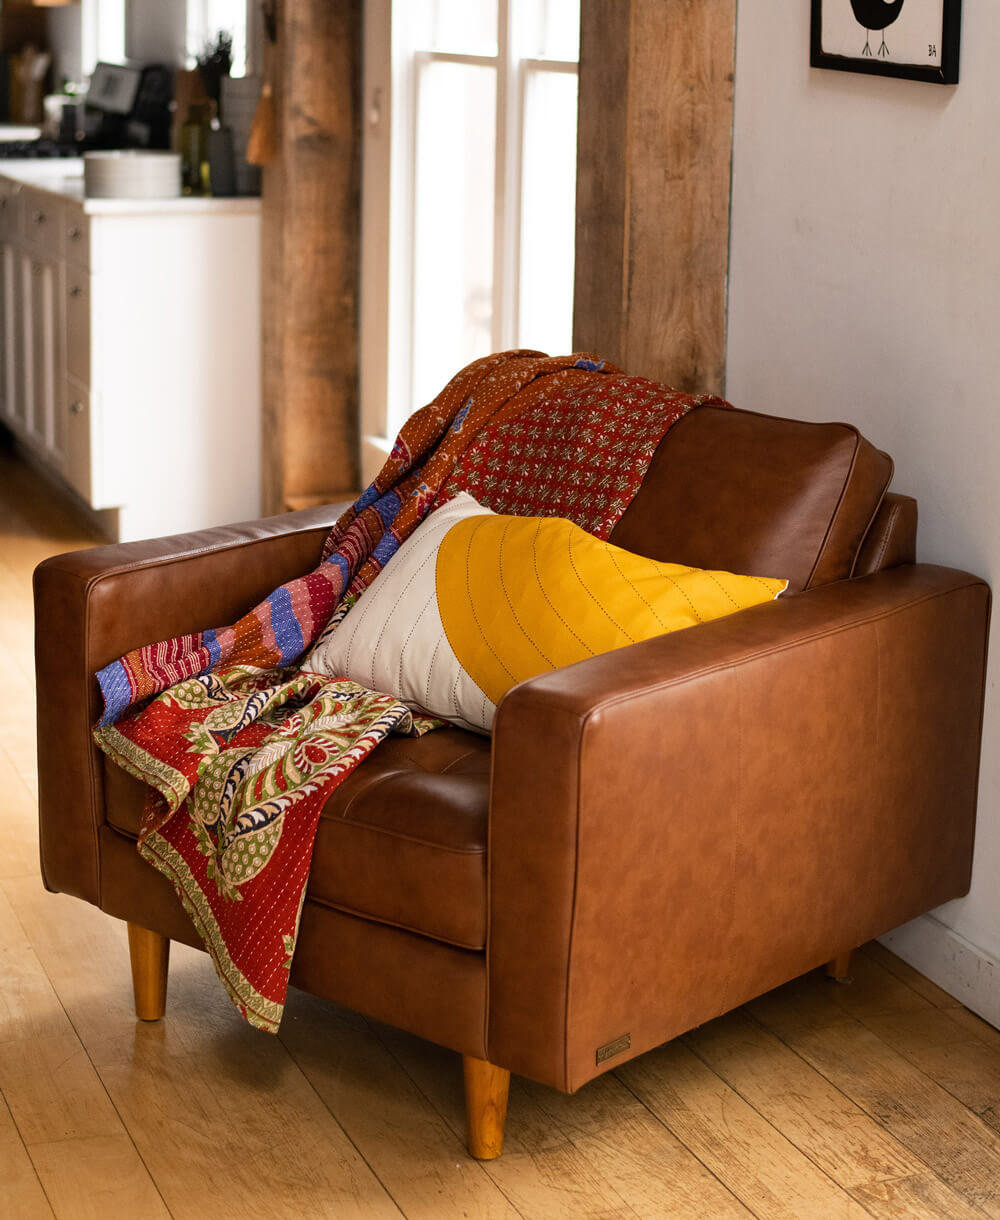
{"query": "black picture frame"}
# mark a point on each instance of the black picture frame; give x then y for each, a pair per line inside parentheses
(946, 74)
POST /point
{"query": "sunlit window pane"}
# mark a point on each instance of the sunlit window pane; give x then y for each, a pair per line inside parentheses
(205, 20)
(549, 29)
(548, 209)
(453, 222)
(464, 27)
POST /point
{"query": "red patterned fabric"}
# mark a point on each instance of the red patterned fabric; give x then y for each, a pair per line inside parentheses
(580, 452)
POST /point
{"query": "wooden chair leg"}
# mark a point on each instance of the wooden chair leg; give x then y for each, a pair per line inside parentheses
(150, 954)
(839, 967)
(486, 1087)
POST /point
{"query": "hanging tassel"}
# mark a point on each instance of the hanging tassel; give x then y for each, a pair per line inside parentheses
(262, 146)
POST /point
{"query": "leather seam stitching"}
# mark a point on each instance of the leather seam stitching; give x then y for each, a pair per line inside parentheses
(573, 905)
(382, 830)
(836, 512)
(391, 923)
(874, 517)
(792, 644)
(889, 526)
(614, 700)
(93, 579)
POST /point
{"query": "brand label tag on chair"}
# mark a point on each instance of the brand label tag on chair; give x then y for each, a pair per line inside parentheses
(610, 1049)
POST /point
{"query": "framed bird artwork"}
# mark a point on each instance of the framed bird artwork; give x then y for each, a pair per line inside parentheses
(916, 39)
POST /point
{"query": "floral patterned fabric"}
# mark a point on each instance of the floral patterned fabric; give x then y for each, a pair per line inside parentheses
(242, 745)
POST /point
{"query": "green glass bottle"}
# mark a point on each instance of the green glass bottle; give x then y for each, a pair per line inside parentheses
(194, 149)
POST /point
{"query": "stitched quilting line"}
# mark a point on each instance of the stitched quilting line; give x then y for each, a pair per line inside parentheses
(430, 670)
(472, 607)
(628, 580)
(569, 554)
(541, 588)
(387, 619)
(510, 604)
(409, 635)
(678, 586)
(715, 581)
(761, 580)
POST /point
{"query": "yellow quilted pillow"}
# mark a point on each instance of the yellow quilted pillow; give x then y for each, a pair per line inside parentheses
(473, 603)
(521, 595)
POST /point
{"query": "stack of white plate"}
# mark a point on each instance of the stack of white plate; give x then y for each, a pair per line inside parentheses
(239, 102)
(131, 174)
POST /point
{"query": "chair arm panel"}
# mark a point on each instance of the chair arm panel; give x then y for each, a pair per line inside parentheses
(685, 823)
(94, 605)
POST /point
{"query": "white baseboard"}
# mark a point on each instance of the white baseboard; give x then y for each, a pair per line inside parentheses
(965, 971)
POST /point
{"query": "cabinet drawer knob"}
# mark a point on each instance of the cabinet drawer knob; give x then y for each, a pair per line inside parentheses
(75, 290)
(39, 218)
(75, 234)
(76, 407)
(36, 268)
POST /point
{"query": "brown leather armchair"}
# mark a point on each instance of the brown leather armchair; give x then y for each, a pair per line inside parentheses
(651, 837)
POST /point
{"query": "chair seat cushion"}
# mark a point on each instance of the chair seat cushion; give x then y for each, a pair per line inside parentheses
(401, 841)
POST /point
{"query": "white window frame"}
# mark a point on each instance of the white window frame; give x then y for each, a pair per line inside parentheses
(102, 33)
(387, 191)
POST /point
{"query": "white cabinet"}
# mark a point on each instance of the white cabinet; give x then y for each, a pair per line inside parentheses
(42, 315)
(11, 321)
(129, 350)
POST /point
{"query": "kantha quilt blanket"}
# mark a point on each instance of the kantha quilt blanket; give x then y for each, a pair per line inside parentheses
(241, 744)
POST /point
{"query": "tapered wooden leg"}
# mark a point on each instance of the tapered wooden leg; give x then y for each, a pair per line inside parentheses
(486, 1087)
(839, 968)
(150, 954)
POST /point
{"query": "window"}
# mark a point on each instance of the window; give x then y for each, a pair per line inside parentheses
(469, 182)
(205, 18)
(102, 33)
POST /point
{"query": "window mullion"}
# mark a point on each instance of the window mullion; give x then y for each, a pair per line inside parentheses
(508, 178)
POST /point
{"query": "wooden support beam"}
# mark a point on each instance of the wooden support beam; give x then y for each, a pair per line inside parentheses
(653, 179)
(311, 240)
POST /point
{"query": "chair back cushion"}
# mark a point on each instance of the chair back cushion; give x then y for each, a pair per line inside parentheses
(743, 492)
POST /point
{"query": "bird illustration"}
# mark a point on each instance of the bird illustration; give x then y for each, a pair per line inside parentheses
(876, 15)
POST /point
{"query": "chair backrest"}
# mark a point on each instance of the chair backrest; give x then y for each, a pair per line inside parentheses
(760, 495)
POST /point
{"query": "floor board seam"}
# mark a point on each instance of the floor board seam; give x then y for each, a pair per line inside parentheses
(347, 1135)
(874, 1117)
(666, 1126)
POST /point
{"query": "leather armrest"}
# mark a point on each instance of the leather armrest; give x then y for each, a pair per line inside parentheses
(92, 606)
(683, 824)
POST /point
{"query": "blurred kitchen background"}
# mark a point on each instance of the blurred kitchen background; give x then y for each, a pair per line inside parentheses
(130, 235)
(163, 64)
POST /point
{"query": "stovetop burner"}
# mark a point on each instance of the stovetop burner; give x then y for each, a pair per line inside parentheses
(43, 149)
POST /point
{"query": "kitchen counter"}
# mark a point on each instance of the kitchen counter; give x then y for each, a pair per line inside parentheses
(12, 132)
(130, 348)
(63, 177)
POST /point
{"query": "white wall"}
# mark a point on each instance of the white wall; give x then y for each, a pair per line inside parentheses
(155, 31)
(865, 286)
(62, 26)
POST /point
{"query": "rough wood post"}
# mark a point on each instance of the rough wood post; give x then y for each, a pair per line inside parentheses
(654, 159)
(311, 242)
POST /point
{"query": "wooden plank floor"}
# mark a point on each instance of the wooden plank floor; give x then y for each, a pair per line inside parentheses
(879, 1098)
